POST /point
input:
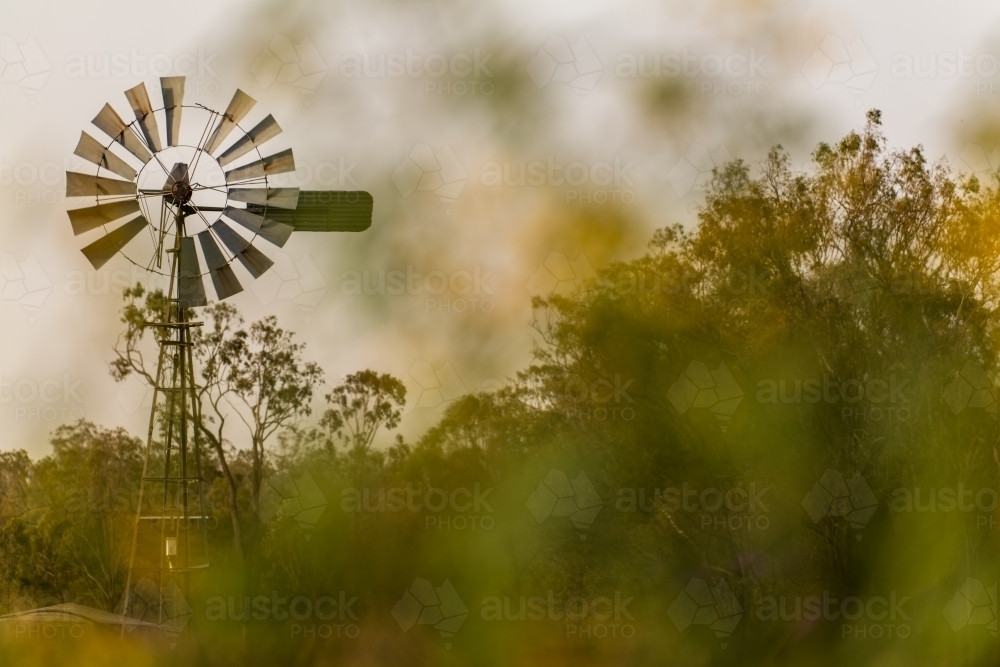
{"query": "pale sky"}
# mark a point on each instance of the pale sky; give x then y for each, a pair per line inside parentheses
(619, 110)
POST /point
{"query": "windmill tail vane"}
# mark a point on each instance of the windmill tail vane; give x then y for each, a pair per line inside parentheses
(189, 193)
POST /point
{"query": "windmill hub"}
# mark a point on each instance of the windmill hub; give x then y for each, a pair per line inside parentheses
(181, 192)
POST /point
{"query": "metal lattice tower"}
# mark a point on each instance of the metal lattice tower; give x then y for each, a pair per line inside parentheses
(170, 538)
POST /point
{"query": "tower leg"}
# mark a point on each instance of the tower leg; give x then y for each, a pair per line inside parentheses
(170, 541)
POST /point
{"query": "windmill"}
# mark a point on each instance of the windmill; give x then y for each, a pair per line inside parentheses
(195, 204)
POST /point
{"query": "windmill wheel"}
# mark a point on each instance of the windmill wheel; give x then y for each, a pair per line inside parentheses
(154, 194)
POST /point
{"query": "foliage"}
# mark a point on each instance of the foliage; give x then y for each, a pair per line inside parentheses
(811, 325)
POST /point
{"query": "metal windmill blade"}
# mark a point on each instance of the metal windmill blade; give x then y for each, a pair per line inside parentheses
(232, 232)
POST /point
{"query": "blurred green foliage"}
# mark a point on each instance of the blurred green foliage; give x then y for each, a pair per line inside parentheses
(770, 440)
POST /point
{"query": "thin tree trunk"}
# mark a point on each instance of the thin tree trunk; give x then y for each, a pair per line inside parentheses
(234, 508)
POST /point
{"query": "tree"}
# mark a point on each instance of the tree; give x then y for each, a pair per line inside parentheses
(67, 529)
(140, 306)
(256, 373)
(16, 480)
(273, 385)
(360, 406)
(875, 270)
(132, 350)
(682, 414)
(210, 347)
(91, 477)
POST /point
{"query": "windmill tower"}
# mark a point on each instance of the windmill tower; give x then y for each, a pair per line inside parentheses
(194, 208)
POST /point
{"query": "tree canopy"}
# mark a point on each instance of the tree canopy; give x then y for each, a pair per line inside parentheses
(733, 443)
